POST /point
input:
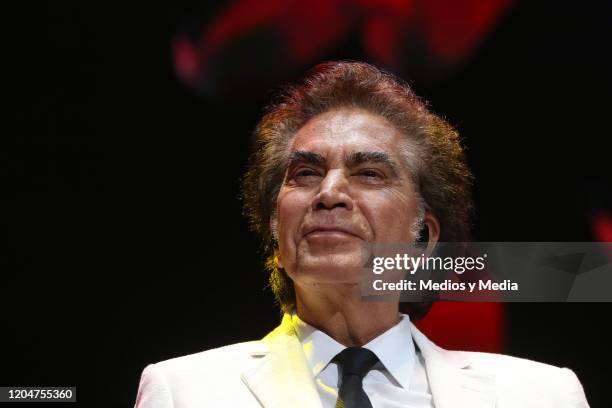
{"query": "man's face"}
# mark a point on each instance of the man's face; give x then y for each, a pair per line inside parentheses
(346, 183)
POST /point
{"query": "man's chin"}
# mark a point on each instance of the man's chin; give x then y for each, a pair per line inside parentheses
(336, 269)
(349, 251)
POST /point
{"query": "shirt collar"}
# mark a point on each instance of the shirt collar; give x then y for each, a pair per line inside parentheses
(318, 347)
(394, 348)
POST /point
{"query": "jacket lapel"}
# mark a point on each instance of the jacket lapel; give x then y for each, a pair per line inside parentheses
(453, 382)
(282, 378)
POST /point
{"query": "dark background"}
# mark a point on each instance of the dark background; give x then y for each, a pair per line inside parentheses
(126, 243)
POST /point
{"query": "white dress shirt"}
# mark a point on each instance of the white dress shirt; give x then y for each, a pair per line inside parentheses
(398, 380)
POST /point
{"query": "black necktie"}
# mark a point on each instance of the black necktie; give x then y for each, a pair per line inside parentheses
(355, 362)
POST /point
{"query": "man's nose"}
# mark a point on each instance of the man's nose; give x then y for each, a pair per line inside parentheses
(333, 192)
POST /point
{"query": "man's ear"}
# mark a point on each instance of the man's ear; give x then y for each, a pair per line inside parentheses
(433, 231)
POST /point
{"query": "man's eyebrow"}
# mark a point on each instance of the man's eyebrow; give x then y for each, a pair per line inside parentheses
(303, 156)
(356, 158)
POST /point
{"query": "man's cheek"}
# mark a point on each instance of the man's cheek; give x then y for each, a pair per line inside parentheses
(287, 244)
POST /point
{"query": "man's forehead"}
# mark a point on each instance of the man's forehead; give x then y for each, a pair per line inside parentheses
(348, 130)
(345, 120)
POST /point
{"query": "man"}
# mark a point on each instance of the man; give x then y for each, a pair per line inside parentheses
(352, 156)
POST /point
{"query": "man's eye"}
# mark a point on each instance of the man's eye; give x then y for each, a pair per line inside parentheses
(370, 174)
(306, 173)
(306, 176)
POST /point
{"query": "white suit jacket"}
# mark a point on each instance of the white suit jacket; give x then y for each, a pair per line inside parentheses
(273, 372)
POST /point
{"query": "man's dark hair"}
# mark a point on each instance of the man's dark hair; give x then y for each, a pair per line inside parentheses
(435, 156)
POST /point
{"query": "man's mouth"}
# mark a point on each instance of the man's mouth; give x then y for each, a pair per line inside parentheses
(330, 231)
